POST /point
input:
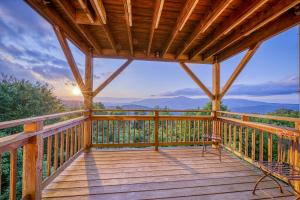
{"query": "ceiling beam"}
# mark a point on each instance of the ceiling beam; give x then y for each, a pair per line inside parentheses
(71, 13)
(70, 59)
(204, 25)
(99, 10)
(232, 22)
(111, 78)
(284, 22)
(261, 20)
(155, 21)
(86, 10)
(128, 20)
(181, 20)
(195, 78)
(101, 14)
(239, 68)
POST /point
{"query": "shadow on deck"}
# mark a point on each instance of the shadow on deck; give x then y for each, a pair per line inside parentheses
(180, 173)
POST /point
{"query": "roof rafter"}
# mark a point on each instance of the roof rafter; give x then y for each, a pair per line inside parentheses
(71, 12)
(263, 19)
(128, 19)
(239, 68)
(204, 24)
(86, 10)
(283, 23)
(155, 21)
(101, 14)
(181, 20)
(236, 19)
(197, 81)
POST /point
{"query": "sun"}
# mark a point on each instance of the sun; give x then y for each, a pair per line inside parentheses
(76, 91)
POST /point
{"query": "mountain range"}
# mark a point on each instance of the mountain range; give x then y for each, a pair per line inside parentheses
(181, 102)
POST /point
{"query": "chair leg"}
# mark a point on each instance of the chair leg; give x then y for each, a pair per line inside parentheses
(259, 180)
(220, 153)
(276, 181)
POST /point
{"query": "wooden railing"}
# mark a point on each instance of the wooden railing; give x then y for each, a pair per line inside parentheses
(39, 152)
(153, 128)
(258, 141)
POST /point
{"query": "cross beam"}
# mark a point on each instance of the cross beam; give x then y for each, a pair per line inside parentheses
(112, 77)
(197, 81)
(239, 68)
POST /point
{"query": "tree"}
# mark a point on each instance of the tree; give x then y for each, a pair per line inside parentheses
(208, 106)
(21, 99)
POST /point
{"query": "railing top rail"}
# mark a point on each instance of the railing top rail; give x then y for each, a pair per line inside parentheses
(277, 130)
(147, 110)
(13, 123)
(5, 142)
(279, 118)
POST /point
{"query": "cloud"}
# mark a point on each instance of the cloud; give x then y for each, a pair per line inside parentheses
(284, 87)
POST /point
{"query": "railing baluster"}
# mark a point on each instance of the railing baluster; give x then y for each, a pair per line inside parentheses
(118, 131)
(97, 132)
(234, 138)
(279, 151)
(13, 174)
(240, 139)
(261, 145)
(246, 142)
(253, 149)
(270, 147)
(72, 142)
(230, 136)
(49, 149)
(62, 148)
(55, 164)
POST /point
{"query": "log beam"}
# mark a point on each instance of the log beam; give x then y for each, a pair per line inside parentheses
(196, 80)
(181, 20)
(257, 23)
(155, 21)
(70, 59)
(128, 20)
(204, 24)
(112, 77)
(71, 13)
(232, 22)
(239, 69)
(216, 102)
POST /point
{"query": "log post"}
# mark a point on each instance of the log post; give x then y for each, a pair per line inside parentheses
(32, 163)
(88, 100)
(156, 126)
(216, 101)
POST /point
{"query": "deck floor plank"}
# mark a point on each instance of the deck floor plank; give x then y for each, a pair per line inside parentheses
(180, 173)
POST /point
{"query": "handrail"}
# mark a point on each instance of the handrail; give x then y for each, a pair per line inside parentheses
(6, 142)
(279, 118)
(13, 123)
(147, 110)
(280, 131)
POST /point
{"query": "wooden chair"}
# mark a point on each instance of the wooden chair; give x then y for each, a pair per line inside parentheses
(282, 169)
(216, 140)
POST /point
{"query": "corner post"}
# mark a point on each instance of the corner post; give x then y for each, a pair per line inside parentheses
(216, 101)
(32, 163)
(88, 100)
(156, 126)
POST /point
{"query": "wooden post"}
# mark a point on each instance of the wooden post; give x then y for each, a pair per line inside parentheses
(32, 163)
(156, 121)
(297, 156)
(88, 100)
(216, 101)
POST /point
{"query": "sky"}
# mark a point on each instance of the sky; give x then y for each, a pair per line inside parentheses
(29, 50)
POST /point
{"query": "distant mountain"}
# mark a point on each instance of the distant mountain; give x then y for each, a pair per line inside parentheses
(235, 105)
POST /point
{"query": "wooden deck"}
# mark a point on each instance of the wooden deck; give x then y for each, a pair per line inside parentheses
(180, 173)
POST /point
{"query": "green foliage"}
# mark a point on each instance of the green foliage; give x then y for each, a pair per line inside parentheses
(208, 106)
(21, 99)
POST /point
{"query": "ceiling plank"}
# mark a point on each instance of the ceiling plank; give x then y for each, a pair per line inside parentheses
(68, 54)
(258, 22)
(86, 10)
(71, 13)
(101, 14)
(111, 78)
(155, 21)
(281, 24)
(181, 20)
(195, 78)
(239, 68)
(204, 25)
(128, 20)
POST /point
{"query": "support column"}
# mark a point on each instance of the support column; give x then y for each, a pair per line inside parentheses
(216, 101)
(88, 100)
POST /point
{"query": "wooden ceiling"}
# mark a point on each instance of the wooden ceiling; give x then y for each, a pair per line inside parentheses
(169, 30)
